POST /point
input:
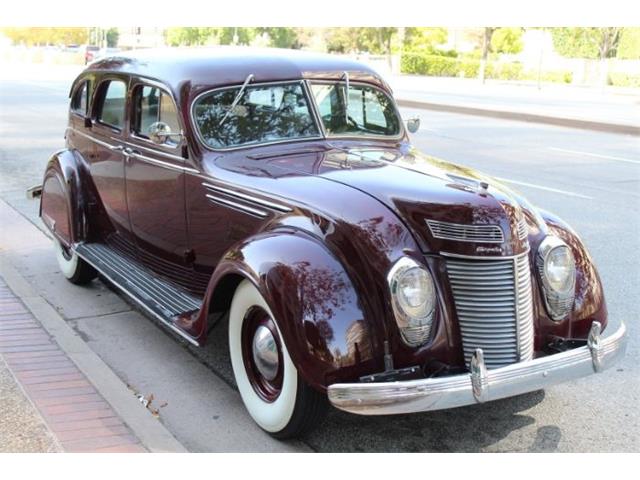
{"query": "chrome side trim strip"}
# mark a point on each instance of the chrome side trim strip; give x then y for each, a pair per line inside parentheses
(384, 398)
(249, 198)
(156, 152)
(95, 140)
(140, 156)
(141, 303)
(237, 206)
(160, 163)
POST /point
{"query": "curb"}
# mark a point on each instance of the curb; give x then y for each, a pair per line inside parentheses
(524, 117)
(151, 432)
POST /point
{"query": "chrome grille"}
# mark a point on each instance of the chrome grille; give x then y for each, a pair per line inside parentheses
(493, 302)
(523, 230)
(466, 233)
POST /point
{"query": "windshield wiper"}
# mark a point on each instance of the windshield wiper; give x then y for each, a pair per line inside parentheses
(345, 75)
(237, 99)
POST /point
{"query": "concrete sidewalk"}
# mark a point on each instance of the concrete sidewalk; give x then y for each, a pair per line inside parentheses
(555, 104)
(65, 410)
(122, 353)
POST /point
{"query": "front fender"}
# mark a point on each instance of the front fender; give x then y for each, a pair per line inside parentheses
(61, 204)
(589, 302)
(313, 300)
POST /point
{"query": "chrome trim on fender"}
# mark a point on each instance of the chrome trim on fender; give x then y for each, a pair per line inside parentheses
(249, 198)
(383, 398)
(237, 206)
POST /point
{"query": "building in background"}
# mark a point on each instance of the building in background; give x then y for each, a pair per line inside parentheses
(140, 37)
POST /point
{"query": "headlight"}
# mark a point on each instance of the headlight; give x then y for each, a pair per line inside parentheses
(557, 269)
(413, 297)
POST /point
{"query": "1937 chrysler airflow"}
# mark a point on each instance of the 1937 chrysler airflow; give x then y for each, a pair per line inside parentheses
(282, 187)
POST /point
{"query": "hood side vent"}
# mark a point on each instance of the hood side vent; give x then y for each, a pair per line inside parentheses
(466, 233)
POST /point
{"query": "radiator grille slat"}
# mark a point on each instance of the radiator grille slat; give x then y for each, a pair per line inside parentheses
(493, 302)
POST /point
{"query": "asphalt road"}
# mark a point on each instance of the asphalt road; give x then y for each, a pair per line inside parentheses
(592, 180)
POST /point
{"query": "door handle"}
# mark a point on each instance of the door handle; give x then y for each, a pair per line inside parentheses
(116, 148)
(128, 153)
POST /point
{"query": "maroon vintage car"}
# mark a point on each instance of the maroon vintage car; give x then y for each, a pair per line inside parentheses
(282, 188)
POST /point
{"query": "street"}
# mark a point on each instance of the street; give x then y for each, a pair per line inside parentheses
(590, 179)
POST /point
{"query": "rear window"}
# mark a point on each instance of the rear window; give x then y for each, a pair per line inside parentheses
(113, 104)
(80, 99)
(258, 114)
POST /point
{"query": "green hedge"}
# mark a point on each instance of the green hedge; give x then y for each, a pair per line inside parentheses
(624, 80)
(439, 66)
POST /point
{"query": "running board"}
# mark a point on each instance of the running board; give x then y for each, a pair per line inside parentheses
(159, 297)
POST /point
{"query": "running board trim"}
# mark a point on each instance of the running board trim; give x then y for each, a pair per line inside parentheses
(85, 252)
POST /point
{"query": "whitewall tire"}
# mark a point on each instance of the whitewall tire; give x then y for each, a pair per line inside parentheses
(73, 267)
(275, 396)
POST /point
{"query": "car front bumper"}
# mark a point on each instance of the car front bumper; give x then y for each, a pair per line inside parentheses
(481, 385)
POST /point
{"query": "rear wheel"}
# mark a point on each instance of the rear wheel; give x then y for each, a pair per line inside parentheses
(75, 269)
(275, 395)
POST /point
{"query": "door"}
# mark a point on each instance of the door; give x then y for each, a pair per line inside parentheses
(107, 161)
(155, 183)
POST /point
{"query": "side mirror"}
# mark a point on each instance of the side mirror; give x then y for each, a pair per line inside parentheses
(160, 131)
(413, 124)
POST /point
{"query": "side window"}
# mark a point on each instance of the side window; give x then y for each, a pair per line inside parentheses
(152, 105)
(113, 104)
(80, 99)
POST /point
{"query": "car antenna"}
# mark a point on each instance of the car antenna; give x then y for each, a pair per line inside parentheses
(237, 99)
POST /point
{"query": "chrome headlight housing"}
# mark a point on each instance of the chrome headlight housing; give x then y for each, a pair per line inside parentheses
(557, 271)
(413, 297)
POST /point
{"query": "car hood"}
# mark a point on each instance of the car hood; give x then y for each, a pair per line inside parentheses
(419, 188)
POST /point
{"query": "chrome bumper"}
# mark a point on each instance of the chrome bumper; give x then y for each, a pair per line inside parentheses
(480, 385)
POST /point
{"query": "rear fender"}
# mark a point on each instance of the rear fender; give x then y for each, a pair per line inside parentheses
(62, 201)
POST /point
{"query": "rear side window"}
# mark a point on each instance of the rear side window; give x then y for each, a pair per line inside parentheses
(80, 99)
(113, 104)
(152, 105)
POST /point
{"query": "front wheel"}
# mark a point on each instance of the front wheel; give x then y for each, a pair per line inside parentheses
(75, 269)
(273, 392)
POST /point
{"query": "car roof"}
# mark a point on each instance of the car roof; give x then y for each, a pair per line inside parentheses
(222, 66)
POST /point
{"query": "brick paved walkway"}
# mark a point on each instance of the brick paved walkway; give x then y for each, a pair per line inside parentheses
(72, 409)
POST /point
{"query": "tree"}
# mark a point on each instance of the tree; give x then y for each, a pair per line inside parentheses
(343, 40)
(507, 40)
(486, 45)
(629, 46)
(281, 37)
(377, 40)
(424, 39)
(586, 42)
(47, 36)
(112, 37)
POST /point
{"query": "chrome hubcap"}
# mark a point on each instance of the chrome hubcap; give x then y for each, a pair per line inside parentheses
(265, 353)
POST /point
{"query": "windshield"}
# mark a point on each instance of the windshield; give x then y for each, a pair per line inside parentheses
(258, 114)
(365, 111)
